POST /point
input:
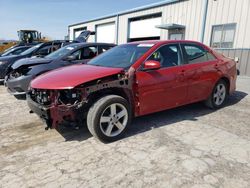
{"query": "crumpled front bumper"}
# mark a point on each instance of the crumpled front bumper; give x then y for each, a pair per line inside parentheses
(54, 115)
(3, 69)
(41, 111)
(18, 86)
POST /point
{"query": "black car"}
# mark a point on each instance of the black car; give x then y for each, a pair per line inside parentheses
(15, 50)
(24, 70)
(39, 50)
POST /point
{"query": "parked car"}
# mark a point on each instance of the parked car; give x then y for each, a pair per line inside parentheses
(23, 71)
(39, 50)
(15, 50)
(132, 80)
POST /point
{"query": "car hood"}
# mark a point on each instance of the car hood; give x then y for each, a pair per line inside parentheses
(9, 58)
(30, 62)
(72, 76)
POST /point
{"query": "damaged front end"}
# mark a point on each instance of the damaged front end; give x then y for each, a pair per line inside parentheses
(70, 106)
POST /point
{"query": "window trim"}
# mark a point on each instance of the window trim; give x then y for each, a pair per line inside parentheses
(223, 31)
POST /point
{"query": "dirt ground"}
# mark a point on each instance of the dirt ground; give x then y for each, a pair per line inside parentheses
(190, 146)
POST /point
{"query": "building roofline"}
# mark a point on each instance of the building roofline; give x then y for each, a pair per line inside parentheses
(154, 5)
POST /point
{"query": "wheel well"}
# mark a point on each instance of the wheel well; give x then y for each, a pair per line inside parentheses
(227, 82)
(114, 91)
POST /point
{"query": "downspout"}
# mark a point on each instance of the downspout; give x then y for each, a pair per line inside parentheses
(68, 33)
(117, 28)
(204, 21)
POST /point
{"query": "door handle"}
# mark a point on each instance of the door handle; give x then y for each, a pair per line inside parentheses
(181, 76)
(182, 73)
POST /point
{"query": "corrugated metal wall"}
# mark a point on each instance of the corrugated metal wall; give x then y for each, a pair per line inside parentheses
(190, 14)
(187, 12)
(230, 11)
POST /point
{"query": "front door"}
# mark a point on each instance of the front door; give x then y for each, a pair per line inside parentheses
(163, 88)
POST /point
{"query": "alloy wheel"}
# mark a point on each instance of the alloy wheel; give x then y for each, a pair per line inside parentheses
(114, 119)
(219, 94)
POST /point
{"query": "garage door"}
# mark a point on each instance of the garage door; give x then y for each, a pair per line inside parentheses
(144, 28)
(78, 31)
(105, 33)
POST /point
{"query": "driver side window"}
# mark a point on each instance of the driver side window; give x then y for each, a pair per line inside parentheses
(44, 50)
(168, 55)
(77, 54)
(85, 53)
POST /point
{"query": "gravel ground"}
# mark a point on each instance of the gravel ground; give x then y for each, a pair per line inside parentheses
(190, 146)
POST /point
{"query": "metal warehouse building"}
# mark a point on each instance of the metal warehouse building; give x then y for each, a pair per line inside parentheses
(221, 24)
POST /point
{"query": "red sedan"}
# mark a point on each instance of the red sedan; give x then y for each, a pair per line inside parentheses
(132, 80)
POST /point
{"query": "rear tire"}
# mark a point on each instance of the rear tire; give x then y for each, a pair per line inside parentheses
(218, 96)
(108, 118)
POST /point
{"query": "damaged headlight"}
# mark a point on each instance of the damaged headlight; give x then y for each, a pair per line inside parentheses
(40, 96)
(70, 96)
(20, 72)
(2, 62)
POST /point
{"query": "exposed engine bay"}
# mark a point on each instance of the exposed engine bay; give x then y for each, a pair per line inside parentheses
(70, 106)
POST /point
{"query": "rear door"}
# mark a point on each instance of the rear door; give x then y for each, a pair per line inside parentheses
(200, 71)
(163, 88)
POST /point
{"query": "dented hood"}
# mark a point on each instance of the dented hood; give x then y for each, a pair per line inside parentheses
(30, 62)
(72, 76)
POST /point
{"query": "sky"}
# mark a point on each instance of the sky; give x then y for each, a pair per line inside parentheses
(52, 17)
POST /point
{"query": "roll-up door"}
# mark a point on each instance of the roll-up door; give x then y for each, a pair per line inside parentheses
(105, 33)
(143, 28)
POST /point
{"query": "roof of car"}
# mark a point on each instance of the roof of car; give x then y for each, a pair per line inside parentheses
(17, 47)
(164, 41)
(90, 44)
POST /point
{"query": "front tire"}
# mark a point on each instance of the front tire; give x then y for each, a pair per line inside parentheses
(218, 96)
(108, 118)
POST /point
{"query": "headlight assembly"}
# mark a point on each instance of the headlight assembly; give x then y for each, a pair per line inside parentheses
(2, 62)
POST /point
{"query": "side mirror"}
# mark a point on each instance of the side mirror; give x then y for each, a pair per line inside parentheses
(152, 65)
(70, 58)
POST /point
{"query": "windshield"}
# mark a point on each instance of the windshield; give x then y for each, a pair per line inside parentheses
(121, 56)
(8, 52)
(30, 50)
(62, 52)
